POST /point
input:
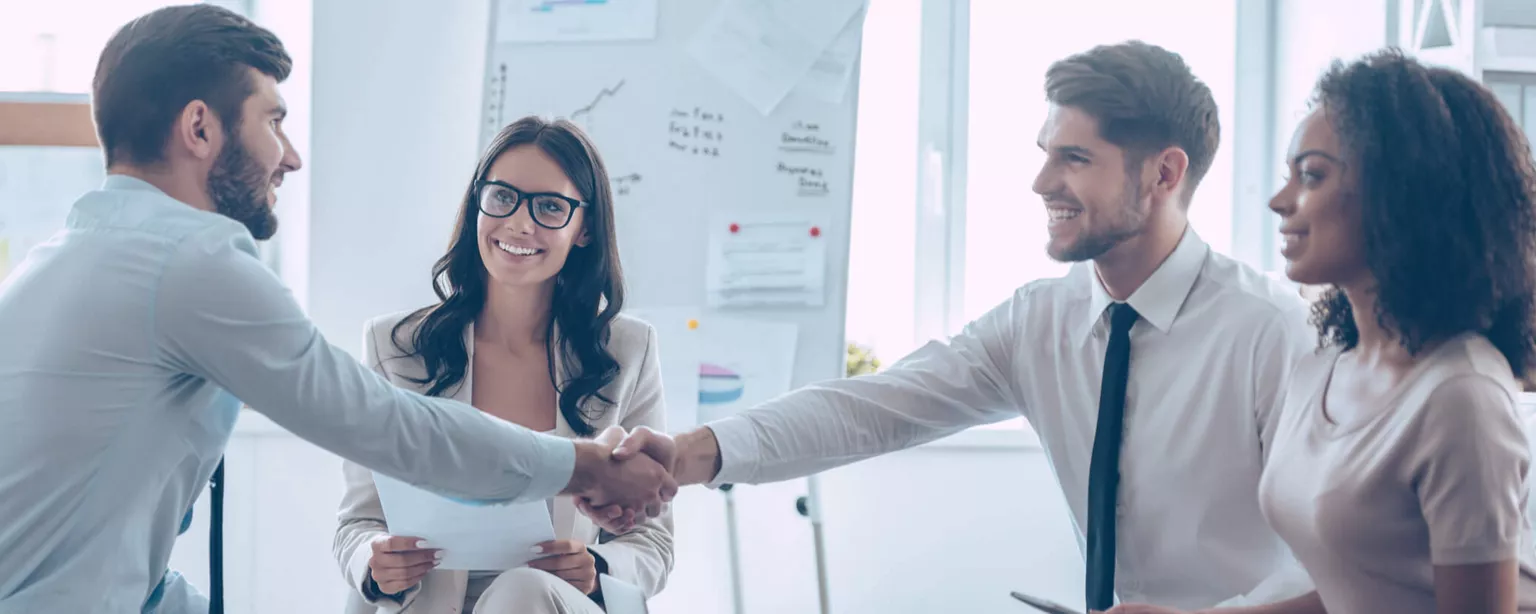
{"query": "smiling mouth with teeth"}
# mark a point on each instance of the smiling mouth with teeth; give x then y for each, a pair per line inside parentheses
(515, 250)
(1063, 214)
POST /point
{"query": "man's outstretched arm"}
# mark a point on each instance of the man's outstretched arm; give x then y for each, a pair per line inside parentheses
(938, 390)
(942, 388)
(221, 315)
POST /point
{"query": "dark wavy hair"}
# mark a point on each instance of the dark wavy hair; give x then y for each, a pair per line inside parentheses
(1448, 197)
(589, 290)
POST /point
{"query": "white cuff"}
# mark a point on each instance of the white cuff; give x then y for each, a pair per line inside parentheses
(739, 453)
(552, 471)
(358, 568)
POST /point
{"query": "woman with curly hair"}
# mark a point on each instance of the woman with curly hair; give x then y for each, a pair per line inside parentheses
(1397, 474)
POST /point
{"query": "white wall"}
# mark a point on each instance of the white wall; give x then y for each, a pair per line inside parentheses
(396, 102)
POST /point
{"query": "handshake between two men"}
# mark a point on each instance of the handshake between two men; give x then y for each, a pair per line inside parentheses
(625, 478)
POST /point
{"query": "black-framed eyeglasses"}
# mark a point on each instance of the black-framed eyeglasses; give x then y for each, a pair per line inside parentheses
(501, 199)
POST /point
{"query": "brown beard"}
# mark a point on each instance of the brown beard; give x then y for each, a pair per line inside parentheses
(238, 187)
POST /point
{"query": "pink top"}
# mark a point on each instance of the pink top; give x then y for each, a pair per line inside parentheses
(1436, 475)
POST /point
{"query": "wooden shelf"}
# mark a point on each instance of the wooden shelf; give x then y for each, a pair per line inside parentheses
(62, 124)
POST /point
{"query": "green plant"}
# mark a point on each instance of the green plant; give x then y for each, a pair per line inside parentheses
(861, 360)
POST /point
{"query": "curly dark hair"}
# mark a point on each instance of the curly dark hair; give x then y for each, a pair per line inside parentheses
(1448, 197)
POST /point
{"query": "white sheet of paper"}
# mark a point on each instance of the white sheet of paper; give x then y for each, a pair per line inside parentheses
(474, 537)
(678, 346)
(565, 21)
(745, 362)
(620, 597)
(766, 259)
(761, 49)
(829, 76)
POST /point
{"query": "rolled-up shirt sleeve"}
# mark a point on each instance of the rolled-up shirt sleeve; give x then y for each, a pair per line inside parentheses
(222, 315)
(942, 388)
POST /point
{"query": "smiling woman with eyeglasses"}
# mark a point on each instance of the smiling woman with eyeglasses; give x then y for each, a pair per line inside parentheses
(527, 328)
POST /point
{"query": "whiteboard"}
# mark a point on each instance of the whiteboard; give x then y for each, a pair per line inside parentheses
(684, 153)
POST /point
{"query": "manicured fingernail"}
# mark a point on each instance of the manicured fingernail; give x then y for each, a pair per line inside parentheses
(437, 556)
(537, 550)
(422, 544)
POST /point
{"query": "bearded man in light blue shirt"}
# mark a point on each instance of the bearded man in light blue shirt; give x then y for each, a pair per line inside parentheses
(131, 338)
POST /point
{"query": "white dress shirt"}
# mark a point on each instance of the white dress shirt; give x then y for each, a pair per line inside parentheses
(1210, 360)
(127, 340)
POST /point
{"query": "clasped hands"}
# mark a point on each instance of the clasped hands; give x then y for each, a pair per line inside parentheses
(624, 478)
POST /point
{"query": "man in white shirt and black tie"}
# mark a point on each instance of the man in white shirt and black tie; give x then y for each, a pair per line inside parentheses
(1153, 372)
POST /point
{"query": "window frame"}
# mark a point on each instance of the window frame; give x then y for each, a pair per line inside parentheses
(941, 164)
(63, 119)
(943, 126)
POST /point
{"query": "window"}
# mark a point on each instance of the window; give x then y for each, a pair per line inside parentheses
(1011, 45)
(1518, 93)
(965, 76)
(53, 46)
(50, 50)
(881, 251)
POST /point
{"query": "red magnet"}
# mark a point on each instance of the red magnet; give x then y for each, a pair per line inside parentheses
(815, 231)
(735, 228)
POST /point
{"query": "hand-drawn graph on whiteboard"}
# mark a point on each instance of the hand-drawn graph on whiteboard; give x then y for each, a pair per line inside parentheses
(557, 21)
(584, 117)
(587, 117)
(495, 102)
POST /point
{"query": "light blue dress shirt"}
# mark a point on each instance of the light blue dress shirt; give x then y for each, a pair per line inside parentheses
(127, 342)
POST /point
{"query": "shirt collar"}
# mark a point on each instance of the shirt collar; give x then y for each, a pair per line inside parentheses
(1159, 298)
(127, 182)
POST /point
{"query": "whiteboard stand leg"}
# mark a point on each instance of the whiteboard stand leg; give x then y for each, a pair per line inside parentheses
(735, 548)
(810, 507)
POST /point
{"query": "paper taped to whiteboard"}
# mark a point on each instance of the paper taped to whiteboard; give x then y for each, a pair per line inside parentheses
(565, 21)
(766, 260)
(678, 346)
(761, 49)
(744, 363)
(829, 77)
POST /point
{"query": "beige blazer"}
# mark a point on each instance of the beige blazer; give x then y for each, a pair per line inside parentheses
(642, 557)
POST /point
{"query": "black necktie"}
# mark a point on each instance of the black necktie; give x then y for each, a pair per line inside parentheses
(1104, 472)
(216, 541)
